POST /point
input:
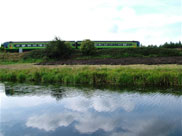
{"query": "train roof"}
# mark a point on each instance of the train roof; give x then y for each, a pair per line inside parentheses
(112, 41)
(28, 41)
(68, 41)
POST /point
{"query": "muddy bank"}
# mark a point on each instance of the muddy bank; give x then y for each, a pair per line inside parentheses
(121, 61)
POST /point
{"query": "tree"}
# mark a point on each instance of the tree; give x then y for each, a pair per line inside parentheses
(87, 47)
(58, 49)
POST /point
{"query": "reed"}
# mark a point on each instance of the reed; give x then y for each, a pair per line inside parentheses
(116, 76)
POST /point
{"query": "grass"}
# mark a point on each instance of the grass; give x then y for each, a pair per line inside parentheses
(131, 52)
(36, 56)
(163, 76)
(16, 58)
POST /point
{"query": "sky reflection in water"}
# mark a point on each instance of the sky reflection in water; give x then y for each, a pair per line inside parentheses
(28, 110)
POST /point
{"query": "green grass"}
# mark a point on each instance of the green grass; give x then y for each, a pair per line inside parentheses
(119, 76)
(142, 52)
(36, 56)
(17, 58)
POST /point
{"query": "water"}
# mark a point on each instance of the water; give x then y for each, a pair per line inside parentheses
(30, 110)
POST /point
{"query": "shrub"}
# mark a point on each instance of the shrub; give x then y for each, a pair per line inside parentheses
(87, 47)
(34, 54)
(58, 49)
(2, 49)
(172, 45)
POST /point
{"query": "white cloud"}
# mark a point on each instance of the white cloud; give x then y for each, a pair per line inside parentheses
(100, 103)
(90, 122)
(79, 103)
(2, 94)
(50, 122)
(110, 104)
(24, 101)
(2, 87)
(85, 123)
(78, 109)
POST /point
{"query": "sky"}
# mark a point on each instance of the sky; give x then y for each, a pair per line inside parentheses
(147, 21)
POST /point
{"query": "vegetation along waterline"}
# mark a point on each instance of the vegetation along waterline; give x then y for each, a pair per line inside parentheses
(95, 75)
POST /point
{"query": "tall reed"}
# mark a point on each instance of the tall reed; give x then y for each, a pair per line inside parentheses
(121, 76)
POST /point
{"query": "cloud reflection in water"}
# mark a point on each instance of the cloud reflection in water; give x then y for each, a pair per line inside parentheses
(114, 115)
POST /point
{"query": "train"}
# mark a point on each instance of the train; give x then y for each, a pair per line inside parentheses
(31, 45)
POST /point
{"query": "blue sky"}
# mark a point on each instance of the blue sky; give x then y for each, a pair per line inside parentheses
(147, 21)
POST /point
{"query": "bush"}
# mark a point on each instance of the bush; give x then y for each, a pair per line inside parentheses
(34, 54)
(87, 47)
(2, 49)
(172, 45)
(58, 49)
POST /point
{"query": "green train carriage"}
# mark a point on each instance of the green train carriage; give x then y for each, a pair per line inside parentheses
(113, 44)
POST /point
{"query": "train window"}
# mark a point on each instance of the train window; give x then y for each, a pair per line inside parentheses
(40, 45)
(34, 45)
(29, 45)
(23, 45)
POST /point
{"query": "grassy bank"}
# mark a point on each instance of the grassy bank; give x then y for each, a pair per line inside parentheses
(114, 53)
(16, 58)
(36, 56)
(115, 76)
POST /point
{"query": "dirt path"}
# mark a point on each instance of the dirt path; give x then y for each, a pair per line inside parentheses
(137, 66)
(121, 61)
